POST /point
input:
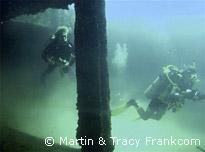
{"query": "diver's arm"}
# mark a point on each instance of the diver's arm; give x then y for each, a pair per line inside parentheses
(72, 59)
(71, 50)
(194, 95)
(200, 96)
(71, 47)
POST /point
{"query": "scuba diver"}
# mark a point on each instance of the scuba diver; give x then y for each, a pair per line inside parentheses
(58, 53)
(169, 92)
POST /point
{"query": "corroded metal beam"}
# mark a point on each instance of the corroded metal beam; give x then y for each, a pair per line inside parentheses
(13, 8)
(92, 75)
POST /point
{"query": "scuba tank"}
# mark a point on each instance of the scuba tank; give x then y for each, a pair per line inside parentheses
(155, 89)
(160, 86)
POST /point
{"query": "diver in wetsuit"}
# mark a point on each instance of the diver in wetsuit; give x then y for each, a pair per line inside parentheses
(58, 53)
(169, 92)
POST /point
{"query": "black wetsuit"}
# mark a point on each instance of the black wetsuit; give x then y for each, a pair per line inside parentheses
(57, 50)
(159, 105)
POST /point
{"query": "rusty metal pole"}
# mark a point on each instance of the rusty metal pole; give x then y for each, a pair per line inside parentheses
(92, 75)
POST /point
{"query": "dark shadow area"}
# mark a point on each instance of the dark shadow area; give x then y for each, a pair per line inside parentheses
(25, 102)
(20, 41)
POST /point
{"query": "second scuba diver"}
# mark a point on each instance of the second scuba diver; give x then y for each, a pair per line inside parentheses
(169, 92)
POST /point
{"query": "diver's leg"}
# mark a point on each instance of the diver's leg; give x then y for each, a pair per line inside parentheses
(161, 111)
(143, 114)
(48, 70)
(64, 70)
(131, 102)
(150, 111)
(123, 107)
(156, 109)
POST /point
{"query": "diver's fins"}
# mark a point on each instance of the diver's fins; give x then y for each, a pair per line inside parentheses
(119, 110)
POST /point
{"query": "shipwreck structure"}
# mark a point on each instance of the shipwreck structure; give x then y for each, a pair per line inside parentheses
(93, 94)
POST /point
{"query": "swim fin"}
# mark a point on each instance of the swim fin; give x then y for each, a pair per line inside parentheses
(119, 110)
